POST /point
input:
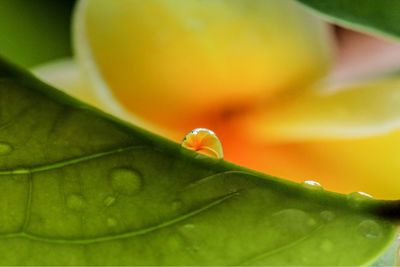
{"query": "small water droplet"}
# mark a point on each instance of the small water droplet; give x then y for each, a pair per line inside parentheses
(108, 201)
(327, 215)
(5, 148)
(294, 221)
(358, 196)
(176, 242)
(126, 181)
(203, 141)
(312, 185)
(370, 229)
(76, 202)
(189, 226)
(111, 222)
(326, 245)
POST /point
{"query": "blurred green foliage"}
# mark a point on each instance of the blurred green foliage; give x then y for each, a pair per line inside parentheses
(33, 32)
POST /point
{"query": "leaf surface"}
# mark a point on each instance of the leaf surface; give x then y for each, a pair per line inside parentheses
(79, 187)
(378, 17)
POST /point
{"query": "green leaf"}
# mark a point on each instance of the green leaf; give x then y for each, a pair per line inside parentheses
(79, 187)
(33, 32)
(378, 17)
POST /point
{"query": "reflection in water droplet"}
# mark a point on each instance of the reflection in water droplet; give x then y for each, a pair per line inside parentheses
(370, 229)
(108, 201)
(76, 202)
(203, 141)
(312, 185)
(5, 148)
(126, 181)
(111, 222)
(327, 215)
(326, 245)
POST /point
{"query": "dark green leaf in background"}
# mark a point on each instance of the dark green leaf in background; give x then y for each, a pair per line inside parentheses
(78, 187)
(372, 16)
(35, 31)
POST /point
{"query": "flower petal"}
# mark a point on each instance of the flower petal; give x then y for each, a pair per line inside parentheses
(368, 164)
(170, 62)
(354, 111)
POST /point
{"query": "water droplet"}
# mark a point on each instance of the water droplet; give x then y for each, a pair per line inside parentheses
(327, 215)
(108, 201)
(176, 242)
(189, 226)
(358, 197)
(370, 229)
(111, 222)
(355, 199)
(312, 185)
(205, 142)
(126, 181)
(5, 148)
(76, 202)
(326, 245)
(294, 221)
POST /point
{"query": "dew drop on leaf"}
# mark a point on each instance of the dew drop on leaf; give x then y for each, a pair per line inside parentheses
(111, 222)
(327, 215)
(126, 181)
(294, 221)
(370, 229)
(203, 141)
(76, 202)
(108, 201)
(312, 185)
(358, 196)
(5, 148)
(189, 226)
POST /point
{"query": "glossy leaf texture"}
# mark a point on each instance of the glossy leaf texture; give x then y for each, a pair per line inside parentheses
(378, 17)
(79, 187)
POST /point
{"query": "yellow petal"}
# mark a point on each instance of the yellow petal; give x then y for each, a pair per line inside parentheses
(172, 62)
(370, 164)
(65, 75)
(355, 111)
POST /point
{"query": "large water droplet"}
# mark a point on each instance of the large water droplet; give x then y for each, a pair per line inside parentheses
(5, 148)
(76, 202)
(108, 201)
(370, 229)
(126, 181)
(327, 215)
(312, 185)
(203, 141)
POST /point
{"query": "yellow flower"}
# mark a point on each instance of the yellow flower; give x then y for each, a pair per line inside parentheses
(248, 71)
